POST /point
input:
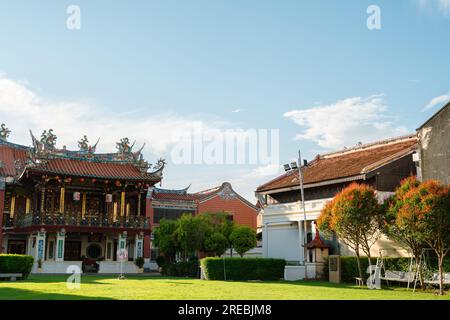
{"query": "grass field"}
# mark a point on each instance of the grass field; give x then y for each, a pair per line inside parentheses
(98, 287)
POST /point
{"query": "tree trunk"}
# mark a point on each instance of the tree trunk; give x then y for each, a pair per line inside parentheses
(441, 273)
(359, 264)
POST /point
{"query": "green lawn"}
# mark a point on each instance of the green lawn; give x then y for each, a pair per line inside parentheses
(138, 287)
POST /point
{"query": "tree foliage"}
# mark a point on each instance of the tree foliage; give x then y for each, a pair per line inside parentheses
(354, 215)
(424, 210)
(208, 232)
(243, 239)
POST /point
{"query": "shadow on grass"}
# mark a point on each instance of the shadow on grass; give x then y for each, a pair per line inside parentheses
(24, 294)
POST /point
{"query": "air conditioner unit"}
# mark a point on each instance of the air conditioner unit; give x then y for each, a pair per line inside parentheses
(416, 157)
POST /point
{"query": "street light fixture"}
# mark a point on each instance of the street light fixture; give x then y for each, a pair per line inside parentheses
(298, 166)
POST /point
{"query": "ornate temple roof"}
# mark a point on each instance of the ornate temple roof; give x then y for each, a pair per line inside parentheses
(352, 164)
(44, 157)
(224, 191)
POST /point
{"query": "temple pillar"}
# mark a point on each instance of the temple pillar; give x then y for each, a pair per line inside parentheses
(62, 195)
(122, 204)
(13, 207)
(42, 207)
(83, 206)
(60, 244)
(2, 207)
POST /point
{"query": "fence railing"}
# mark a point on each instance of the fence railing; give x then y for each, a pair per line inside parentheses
(74, 219)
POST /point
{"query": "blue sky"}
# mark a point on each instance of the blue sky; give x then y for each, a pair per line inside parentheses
(311, 69)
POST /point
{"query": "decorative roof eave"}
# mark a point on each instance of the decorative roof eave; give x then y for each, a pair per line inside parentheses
(313, 185)
(171, 191)
(149, 177)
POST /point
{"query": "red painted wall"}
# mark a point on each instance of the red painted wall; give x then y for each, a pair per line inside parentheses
(242, 213)
(149, 215)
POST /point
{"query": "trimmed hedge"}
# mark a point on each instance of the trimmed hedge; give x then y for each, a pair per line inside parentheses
(16, 263)
(243, 268)
(188, 269)
(349, 266)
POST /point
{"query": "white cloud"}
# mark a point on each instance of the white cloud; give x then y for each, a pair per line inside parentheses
(264, 171)
(437, 100)
(346, 122)
(236, 110)
(443, 6)
(22, 109)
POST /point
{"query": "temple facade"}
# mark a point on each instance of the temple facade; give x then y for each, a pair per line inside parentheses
(78, 207)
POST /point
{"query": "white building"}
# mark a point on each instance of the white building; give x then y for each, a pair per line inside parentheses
(382, 164)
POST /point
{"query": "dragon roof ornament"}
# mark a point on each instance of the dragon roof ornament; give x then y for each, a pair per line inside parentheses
(4, 132)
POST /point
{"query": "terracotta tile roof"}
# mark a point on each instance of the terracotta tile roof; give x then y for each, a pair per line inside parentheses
(81, 168)
(317, 242)
(8, 155)
(345, 163)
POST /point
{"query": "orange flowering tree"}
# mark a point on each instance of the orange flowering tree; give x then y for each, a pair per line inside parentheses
(397, 227)
(354, 215)
(426, 210)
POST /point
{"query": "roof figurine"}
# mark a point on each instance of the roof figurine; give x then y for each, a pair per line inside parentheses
(44, 157)
(4, 132)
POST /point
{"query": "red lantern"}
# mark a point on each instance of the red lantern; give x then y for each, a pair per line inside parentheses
(82, 180)
(93, 180)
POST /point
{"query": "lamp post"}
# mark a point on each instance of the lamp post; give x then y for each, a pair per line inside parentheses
(302, 191)
(298, 166)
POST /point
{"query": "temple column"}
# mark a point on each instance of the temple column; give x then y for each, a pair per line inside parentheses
(139, 204)
(2, 207)
(83, 206)
(43, 199)
(60, 244)
(122, 204)
(62, 194)
(13, 207)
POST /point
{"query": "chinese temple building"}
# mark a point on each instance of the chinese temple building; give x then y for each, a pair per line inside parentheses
(171, 204)
(75, 207)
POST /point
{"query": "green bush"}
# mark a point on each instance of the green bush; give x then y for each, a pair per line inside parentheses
(139, 262)
(349, 267)
(16, 263)
(181, 269)
(243, 268)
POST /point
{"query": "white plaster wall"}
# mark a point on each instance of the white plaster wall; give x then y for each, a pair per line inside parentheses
(294, 273)
(283, 242)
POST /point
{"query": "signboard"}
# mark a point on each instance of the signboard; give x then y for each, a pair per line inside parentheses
(40, 249)
(122, 255)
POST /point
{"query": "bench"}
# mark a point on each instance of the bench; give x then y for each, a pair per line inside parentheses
(436, 277)
(398, 276)
(11, 276)
(359, 281)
